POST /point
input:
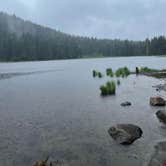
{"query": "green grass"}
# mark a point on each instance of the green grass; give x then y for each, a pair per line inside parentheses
(122, 72)
(108, 89)
(97, 74)
(109, 72)
(147, 70)
(150, 70)
(100, 75)
(104, 90)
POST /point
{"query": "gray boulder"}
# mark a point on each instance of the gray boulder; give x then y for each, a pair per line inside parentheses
(125, 133)
(161, 115)
(157, 101)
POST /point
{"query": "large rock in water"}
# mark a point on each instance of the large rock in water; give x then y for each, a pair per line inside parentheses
(159, 156)
(161, 115)
(157, 101)
(125, 133)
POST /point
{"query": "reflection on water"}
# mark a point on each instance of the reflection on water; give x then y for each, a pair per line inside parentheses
(61, 114)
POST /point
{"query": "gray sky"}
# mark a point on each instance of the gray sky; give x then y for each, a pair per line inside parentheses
(133, 19)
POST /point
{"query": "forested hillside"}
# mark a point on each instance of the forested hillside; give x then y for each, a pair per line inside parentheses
(23, 40)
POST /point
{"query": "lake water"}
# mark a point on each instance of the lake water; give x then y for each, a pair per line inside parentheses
(57, 111)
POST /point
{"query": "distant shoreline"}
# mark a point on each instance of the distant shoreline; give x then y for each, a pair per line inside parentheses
(83, 58)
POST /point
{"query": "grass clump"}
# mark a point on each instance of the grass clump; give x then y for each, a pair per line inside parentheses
(109, 72)
(108, 89)
(122, 72)
(158, 73)
(111, 86)
(104, 90)
(97, 74)
(100, 75)
(148, 70)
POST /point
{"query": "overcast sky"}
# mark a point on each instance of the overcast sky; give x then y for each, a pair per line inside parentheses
(132, 19)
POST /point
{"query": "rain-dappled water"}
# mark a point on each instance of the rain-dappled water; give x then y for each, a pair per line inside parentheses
(54, 108)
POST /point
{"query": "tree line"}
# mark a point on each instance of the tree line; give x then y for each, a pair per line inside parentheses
(23, 41)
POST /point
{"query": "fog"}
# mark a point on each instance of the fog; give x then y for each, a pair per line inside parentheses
(130, 19)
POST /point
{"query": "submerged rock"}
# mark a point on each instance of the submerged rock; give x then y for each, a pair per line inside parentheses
(157, 101)
(157, 89)
(125, 133)
(127, 103)
(161, 115)
(159, 156)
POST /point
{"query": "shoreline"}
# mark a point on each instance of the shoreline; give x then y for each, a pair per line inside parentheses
(84, 58)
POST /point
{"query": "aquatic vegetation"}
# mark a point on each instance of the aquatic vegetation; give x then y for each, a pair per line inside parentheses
(118, 82)
(97, 74)
(111, 86)
(104, 90)
(157, 73)
(100, 75)
(109, 72)
(148, 70)
(122, 72)
(108, 89)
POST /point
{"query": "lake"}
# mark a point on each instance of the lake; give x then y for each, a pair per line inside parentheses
(56, 110)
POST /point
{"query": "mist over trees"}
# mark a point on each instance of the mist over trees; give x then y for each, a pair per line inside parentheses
(23, 41)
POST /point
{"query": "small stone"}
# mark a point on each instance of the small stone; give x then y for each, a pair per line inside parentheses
(127, 103)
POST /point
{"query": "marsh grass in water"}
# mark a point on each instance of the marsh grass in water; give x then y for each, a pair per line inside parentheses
(157, 73)
(109, 72)
(97, 74)
(147, 70)
(150, 70)
(94, 73)
(108, 89)
(100, 75)
(122, 72)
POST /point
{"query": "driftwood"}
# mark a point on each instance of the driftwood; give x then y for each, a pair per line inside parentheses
(46, 163)
(42, 163)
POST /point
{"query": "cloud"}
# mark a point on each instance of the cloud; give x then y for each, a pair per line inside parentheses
(135, 20)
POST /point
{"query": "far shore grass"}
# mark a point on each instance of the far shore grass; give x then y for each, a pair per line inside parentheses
(102, 56)
(82, 57)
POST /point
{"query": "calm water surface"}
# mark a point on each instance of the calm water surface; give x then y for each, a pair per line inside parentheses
(59, 113)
